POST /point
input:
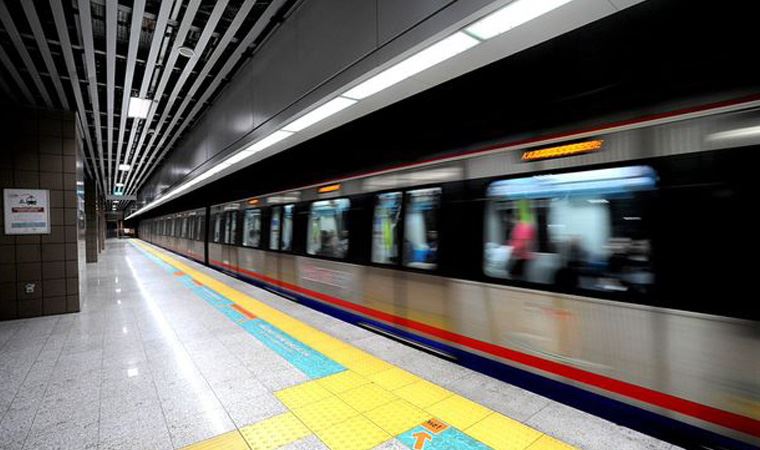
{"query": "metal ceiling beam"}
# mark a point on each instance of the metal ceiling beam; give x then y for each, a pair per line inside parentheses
(134, 39)
(63, 37)
(10, 27)
(216, 15)
(111, 24)
(85, 24)
(218, 51)
(155, 46)
(187, 21)
(225, 72)
(8, 91)
(39, 37)
(15, 75)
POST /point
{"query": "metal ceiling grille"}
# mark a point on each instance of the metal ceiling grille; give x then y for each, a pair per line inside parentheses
(91, 56)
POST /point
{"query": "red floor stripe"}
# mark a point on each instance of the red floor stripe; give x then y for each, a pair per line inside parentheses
(243, 311)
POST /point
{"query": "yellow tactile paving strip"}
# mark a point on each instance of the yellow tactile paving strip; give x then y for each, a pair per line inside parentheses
(368, 404)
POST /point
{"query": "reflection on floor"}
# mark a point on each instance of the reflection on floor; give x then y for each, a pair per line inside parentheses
(167, 353)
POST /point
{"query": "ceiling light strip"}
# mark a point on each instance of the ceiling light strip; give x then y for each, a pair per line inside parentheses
(498, 22)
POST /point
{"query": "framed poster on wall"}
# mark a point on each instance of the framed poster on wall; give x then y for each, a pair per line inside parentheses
(27, 211)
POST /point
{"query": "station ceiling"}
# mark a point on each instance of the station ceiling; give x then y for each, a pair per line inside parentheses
(93, 56)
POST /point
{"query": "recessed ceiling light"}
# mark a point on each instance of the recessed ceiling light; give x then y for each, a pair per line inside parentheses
(138, 107)
(125, 167)
(187, 52)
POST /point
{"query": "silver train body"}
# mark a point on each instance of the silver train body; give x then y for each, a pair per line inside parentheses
(695, 368)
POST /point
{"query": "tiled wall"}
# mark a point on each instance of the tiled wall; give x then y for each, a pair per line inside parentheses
(38, 150)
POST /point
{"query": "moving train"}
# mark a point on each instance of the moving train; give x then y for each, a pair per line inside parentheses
(609, 268)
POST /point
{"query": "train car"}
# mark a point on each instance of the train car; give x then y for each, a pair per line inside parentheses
(608, 268)
(183, 233)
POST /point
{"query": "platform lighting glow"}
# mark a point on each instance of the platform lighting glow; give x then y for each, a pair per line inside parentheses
(236, 158)
(270, 140)
(328, 109)
(511, 16)
(138, 107)
(435, 54)
(125, 167)
(119, 185)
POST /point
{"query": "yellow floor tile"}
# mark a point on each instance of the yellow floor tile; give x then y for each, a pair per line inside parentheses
(275, 432)
(422, 393)
(397, 416)
(367, 397)
(325, 413)
(343, 381)
(503, 433)
(368, 366)
(458, 411)
(357, 433)
(549, 443)
(348, 355)
(302, 395)
(393, 378)
(227, 441)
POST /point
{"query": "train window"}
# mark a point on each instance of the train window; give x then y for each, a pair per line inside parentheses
(328, 228)
(230, 227)
(274, 229)
(583, 230)
(287, 228)
(183, 231)
(421, 228)
(385, 228)
(252, 228)
(217, 227)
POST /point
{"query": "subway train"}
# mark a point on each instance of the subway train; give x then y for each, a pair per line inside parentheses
(611, 268)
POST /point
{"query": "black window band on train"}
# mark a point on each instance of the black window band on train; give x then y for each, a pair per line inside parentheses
(667, 245)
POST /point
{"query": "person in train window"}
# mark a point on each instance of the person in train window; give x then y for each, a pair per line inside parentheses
(522, 239)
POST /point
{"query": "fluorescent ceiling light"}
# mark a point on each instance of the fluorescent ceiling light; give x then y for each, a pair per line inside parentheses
(138, 107)
(269, 141)
(119, 184)
(236, 158)
(125, 167)
(513, 15)
(436, 53)
(324, 111)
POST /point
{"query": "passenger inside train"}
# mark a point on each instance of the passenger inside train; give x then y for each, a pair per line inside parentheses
(583, 231)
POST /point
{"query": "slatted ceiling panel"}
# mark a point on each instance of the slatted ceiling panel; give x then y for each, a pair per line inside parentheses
(85, 55)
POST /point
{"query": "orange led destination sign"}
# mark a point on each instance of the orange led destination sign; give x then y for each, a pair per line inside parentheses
(563, 150)
(329, 188)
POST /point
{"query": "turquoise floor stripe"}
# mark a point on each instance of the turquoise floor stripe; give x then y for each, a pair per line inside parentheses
(448, 439)
(312, 363)
(309, 361)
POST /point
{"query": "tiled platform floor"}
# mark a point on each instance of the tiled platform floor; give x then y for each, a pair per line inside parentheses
(148, 364)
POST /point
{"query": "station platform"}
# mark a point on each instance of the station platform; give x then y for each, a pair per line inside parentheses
(167, 353)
